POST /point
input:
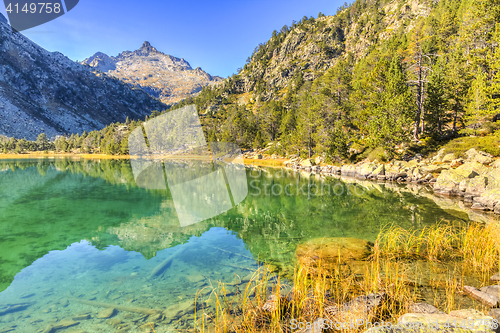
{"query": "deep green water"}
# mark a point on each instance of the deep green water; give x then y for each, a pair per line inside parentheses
(84, 230)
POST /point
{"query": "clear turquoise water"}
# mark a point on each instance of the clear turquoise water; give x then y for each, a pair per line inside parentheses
(82, 230)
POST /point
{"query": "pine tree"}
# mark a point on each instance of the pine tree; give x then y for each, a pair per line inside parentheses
(272, 114)
(494, 88)
(333, 91)
(258, 142)
(306, 135)
(435, 104)
(419, 70)
(42, 141)
(390, 123)
(477, 107)
(456, 87)
(123, 146)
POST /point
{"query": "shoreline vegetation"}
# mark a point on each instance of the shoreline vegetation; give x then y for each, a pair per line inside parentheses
(416, 277)
(276, 163)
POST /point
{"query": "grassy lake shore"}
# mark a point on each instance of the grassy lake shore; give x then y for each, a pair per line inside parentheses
(272, 163)
(405, 276)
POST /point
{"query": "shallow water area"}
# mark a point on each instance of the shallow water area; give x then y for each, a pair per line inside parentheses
(54, 285)
(80, 237)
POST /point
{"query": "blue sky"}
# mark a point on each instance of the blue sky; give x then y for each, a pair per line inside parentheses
(216, 35)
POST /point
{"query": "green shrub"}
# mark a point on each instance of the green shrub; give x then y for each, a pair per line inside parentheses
(489, 144)
(378, 153)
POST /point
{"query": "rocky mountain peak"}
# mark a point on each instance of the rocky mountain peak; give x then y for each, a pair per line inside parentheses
(146, 49)
(166, 77)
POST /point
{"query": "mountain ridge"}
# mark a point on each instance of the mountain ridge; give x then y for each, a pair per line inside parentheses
(42, 91)
(164, 76)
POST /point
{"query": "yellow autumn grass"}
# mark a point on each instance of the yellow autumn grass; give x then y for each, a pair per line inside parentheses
(274, 163)
(304, 298)
(476, 244)
(310, 291)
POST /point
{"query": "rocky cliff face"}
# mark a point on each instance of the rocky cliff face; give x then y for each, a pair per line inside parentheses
(163, 76)
(43, 91)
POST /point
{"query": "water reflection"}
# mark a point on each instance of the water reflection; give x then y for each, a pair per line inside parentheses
(83, 230)
(78, 284)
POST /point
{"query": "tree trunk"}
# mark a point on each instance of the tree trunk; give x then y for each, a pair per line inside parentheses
(422, 112)
(420, 82)
(416, 126)
(455, 115)
(440, 126)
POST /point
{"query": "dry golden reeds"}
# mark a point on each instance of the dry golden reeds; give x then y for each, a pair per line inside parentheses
(476, 244)
(312, 288)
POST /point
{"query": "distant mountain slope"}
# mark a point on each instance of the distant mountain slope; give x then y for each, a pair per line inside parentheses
(46, 92)
(169, 78)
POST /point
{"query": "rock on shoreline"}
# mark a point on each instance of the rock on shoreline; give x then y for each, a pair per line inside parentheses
(475, 179)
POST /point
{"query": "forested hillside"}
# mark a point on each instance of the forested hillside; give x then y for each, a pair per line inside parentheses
(380, 74)
(398, 71)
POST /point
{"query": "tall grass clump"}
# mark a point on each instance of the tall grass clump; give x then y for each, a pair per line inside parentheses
(480, 247)
(243, 311)
(268, 304)
(477, 245)
(435, 242)
(391, 278)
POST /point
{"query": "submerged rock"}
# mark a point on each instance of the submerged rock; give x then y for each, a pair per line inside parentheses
(195, 278)
(481, 296)
(114, 322)
(81, 317)
(332, 251)
(360, 308)
(176, 310)
(106, 313)
(424, 308)
(63, 324)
